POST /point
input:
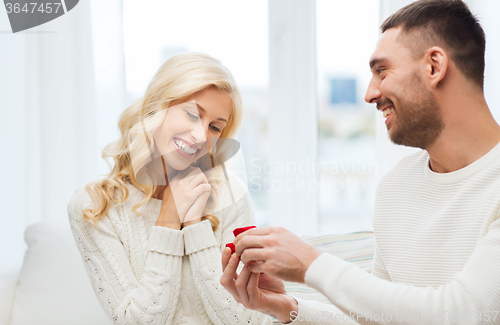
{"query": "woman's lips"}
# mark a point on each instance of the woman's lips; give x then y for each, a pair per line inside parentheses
(181, 152)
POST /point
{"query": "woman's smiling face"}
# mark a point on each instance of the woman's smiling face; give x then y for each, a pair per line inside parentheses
(182, 137)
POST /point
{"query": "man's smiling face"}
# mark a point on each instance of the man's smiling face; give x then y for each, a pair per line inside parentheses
(411, 111)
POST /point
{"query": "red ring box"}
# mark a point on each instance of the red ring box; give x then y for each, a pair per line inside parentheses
(236, 232)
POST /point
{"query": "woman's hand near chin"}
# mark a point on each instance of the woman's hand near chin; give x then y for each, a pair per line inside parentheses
(190, 190)
(195, 212)
(184, 199)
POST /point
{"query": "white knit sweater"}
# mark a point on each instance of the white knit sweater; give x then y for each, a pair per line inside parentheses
(146, 274)
(437, 252)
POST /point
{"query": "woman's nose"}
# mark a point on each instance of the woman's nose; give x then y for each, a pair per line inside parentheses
(199, 133)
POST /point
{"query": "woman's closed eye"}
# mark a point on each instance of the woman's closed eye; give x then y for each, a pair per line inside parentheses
(215, 129)
(196, 117)
(192, 116)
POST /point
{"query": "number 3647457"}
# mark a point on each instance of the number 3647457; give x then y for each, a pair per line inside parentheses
(33, 7)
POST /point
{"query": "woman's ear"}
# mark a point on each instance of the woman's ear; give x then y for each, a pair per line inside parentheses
(437, 61)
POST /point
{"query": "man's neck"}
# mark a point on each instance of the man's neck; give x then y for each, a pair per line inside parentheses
(468, 135)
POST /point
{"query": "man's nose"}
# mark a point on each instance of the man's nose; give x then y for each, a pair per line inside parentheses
(373, 93)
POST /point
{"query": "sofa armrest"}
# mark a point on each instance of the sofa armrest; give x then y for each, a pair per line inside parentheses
(8, 285)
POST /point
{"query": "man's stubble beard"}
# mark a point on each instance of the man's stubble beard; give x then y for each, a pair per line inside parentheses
(418, 122)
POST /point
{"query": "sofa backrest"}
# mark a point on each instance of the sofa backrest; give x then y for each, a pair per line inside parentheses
(53, 287)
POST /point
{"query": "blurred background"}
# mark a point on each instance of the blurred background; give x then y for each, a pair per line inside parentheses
(314, 150)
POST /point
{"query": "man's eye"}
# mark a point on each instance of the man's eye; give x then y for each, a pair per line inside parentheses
(191, 115)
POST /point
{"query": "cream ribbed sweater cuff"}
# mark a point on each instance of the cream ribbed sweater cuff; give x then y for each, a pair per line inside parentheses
(302, 317)
(166, 241)
(324, 273)
(199, 236)
(312, 312)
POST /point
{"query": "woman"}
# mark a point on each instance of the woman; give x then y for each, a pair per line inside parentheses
(152, 259)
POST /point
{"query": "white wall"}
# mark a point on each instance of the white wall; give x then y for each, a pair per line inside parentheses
(487, 12)
(51, 117)
(12, 153)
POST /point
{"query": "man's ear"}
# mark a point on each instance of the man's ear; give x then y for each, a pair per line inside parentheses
(437, 61)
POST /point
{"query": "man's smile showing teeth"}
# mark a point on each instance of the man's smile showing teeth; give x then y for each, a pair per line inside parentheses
(388, 111)
(184, 147)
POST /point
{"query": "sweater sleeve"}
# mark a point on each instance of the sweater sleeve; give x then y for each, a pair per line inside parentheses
(315, 313)
(152, 299)
(205, 258)
(471, 298)
(378, 267)
(311, 312)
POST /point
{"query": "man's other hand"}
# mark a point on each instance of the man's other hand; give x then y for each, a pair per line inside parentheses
(277, 252)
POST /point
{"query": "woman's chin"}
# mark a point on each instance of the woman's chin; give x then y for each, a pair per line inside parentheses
(179, 165)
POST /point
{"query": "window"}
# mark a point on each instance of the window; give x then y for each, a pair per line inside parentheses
(347, 32)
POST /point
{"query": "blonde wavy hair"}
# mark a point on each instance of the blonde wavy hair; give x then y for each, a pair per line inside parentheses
(178, 78)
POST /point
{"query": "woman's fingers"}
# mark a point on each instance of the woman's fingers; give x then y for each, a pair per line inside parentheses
(196, 210)
(188, 186)
(253, 287)
(200, 189)
(229, 275)
(196, 179)
(191, 179)
(226, 255)
(241, 285)
(200, 194)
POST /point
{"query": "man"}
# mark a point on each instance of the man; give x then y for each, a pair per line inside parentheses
(437, 251)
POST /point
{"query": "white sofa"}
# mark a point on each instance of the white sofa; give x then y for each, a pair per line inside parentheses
(52, 287)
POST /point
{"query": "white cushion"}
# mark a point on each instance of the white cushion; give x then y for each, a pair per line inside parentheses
(8, 285)
(53, 286)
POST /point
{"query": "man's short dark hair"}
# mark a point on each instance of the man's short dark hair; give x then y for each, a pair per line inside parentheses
(445, 23)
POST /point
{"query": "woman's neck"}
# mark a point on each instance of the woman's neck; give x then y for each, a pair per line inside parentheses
(158, 193)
